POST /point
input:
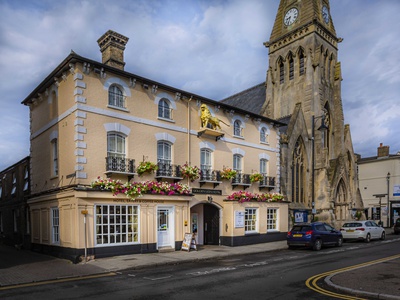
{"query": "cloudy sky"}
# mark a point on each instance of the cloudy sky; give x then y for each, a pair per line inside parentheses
(213, 48)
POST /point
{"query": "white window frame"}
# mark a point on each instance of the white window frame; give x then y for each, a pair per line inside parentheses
(116, 225)
(272, 218)
(264, 166)
(116, 145)
(54, 156)
(164, 152)
(250, 220)
(116, 96)
(164, 109)
(55, 225)
(237, 128)
(205, 159)
(14, 184)
(237, 162)
(264, 135)
(26, 179)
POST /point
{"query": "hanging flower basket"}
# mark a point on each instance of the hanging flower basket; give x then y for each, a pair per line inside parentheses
(146, 167)
(256, 177)
(190, 172)
(227, 173)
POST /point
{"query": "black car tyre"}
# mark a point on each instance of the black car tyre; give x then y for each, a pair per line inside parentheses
(339, 242)
(317, 245)
(383, 236)
(368, 238)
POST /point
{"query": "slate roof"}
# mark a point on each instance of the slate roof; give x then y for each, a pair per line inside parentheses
(251, 99)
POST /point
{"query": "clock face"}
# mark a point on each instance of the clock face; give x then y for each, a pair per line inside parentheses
(291, 16)
(325, 14)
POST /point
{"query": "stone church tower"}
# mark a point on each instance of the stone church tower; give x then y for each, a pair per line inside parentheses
(303, 90)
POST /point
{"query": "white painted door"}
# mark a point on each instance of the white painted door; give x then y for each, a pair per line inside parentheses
(164, 227)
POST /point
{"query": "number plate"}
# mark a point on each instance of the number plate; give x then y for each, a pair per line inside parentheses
(349, 230)
(297, 235)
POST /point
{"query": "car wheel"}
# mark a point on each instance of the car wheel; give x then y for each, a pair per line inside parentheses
(317, 245)
(368, 238)
(383, 236)
(339, 242)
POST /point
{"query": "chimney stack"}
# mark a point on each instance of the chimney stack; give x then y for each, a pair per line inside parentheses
(112, 46)
(383, 151)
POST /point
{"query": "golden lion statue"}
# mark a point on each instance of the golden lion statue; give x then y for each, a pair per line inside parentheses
(207, 119)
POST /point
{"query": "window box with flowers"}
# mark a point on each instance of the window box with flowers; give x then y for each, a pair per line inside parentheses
(243, 196)
(146, 167)
(134, 190)
(256, 177)
(190, 172)
(227, 173)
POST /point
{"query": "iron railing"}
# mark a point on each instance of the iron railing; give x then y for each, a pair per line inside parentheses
(267, 181)
(210, 175)
(168, 170)
(241, 179)
(120, 164)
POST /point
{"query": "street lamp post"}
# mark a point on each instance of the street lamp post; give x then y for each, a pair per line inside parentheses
(322, 128)
(388, 208)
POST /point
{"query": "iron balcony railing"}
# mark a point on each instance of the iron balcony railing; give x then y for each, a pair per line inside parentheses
(120, 165)
(210, 175)
(241, 179)
(166, 170)
(267, 181)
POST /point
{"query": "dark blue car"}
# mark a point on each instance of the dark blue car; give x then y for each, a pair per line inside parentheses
(314, 235)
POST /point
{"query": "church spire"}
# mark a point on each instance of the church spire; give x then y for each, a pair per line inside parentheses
(303, 16)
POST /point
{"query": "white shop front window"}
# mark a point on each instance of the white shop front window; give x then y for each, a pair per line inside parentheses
(116, 224)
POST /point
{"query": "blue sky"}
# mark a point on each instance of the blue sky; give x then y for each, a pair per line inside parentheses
(212, 48)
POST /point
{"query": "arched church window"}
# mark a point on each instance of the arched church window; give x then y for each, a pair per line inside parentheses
(301, 62)
(298, 173)
(281, 72)
(291, 68)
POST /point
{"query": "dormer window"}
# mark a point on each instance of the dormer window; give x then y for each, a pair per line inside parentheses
(116, 97)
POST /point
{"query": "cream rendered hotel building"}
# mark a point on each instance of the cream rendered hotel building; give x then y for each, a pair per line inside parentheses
(90, 119)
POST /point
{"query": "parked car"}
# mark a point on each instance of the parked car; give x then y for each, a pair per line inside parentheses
(362, 230)
(396, 226)
(314, 235)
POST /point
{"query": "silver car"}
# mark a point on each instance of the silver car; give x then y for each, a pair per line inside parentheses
(362, 230)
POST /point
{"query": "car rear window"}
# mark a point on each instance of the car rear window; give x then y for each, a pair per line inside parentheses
(352, 224)
(301, 228)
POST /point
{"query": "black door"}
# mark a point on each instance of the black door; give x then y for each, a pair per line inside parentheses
(211, 225)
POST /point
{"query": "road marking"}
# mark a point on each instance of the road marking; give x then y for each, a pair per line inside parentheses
(199, 273)
(158, 278)
(17, 286)
(312, 284)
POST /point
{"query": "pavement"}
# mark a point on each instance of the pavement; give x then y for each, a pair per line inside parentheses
(380, 280)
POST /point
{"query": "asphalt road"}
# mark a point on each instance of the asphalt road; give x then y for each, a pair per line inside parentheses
(272, 275)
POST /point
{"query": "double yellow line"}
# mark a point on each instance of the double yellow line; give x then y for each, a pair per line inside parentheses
(311, 282)
(17, 286)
